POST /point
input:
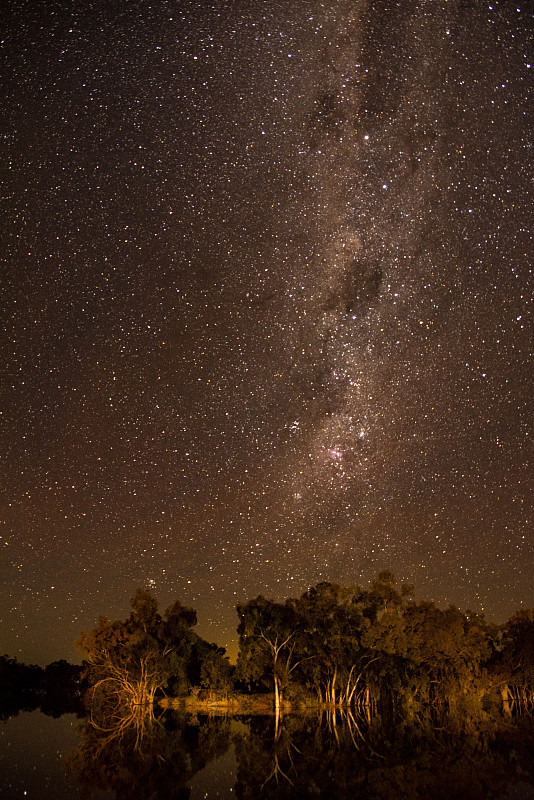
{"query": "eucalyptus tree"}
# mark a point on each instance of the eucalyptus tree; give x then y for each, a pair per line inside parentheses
(269, 633)
(331, 641)
(514, 667)
(128, 661)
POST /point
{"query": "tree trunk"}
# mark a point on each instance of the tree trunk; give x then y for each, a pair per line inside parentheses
(277, 695)
(333, 688)
(506, 701)
(367, 705)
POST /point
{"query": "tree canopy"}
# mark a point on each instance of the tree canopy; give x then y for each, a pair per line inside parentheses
(129, 661)
(333, 645)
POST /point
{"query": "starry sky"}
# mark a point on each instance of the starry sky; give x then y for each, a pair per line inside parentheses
(266, 306)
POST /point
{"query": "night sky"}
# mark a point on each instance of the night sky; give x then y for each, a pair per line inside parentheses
(266, 306)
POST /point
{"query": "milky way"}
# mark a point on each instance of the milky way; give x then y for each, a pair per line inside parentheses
(267, 292)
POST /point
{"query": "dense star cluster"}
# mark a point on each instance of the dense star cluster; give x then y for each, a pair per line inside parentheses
(267, 300)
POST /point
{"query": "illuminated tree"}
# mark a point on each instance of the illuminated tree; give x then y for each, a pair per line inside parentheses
(129, 661)
(515, 666)
(267, 639)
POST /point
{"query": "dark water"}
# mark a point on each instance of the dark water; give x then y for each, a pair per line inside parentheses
(32, 749)
(188, 756)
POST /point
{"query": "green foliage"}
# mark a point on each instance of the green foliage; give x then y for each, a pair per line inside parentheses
(514, 662)
(216, 675)
(369, 649)
(383, 596)
(348, 646)
(268, 640)
(518, 646)
(129, 661)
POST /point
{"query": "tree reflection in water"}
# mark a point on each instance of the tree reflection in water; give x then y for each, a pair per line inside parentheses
(336, 756)
(332, 754)
(150, 758)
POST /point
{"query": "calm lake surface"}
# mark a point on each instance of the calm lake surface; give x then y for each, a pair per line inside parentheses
(193, 756)
(32, 748)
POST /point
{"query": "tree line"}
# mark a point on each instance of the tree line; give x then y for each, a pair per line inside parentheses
(374, 649)
(56, 689)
